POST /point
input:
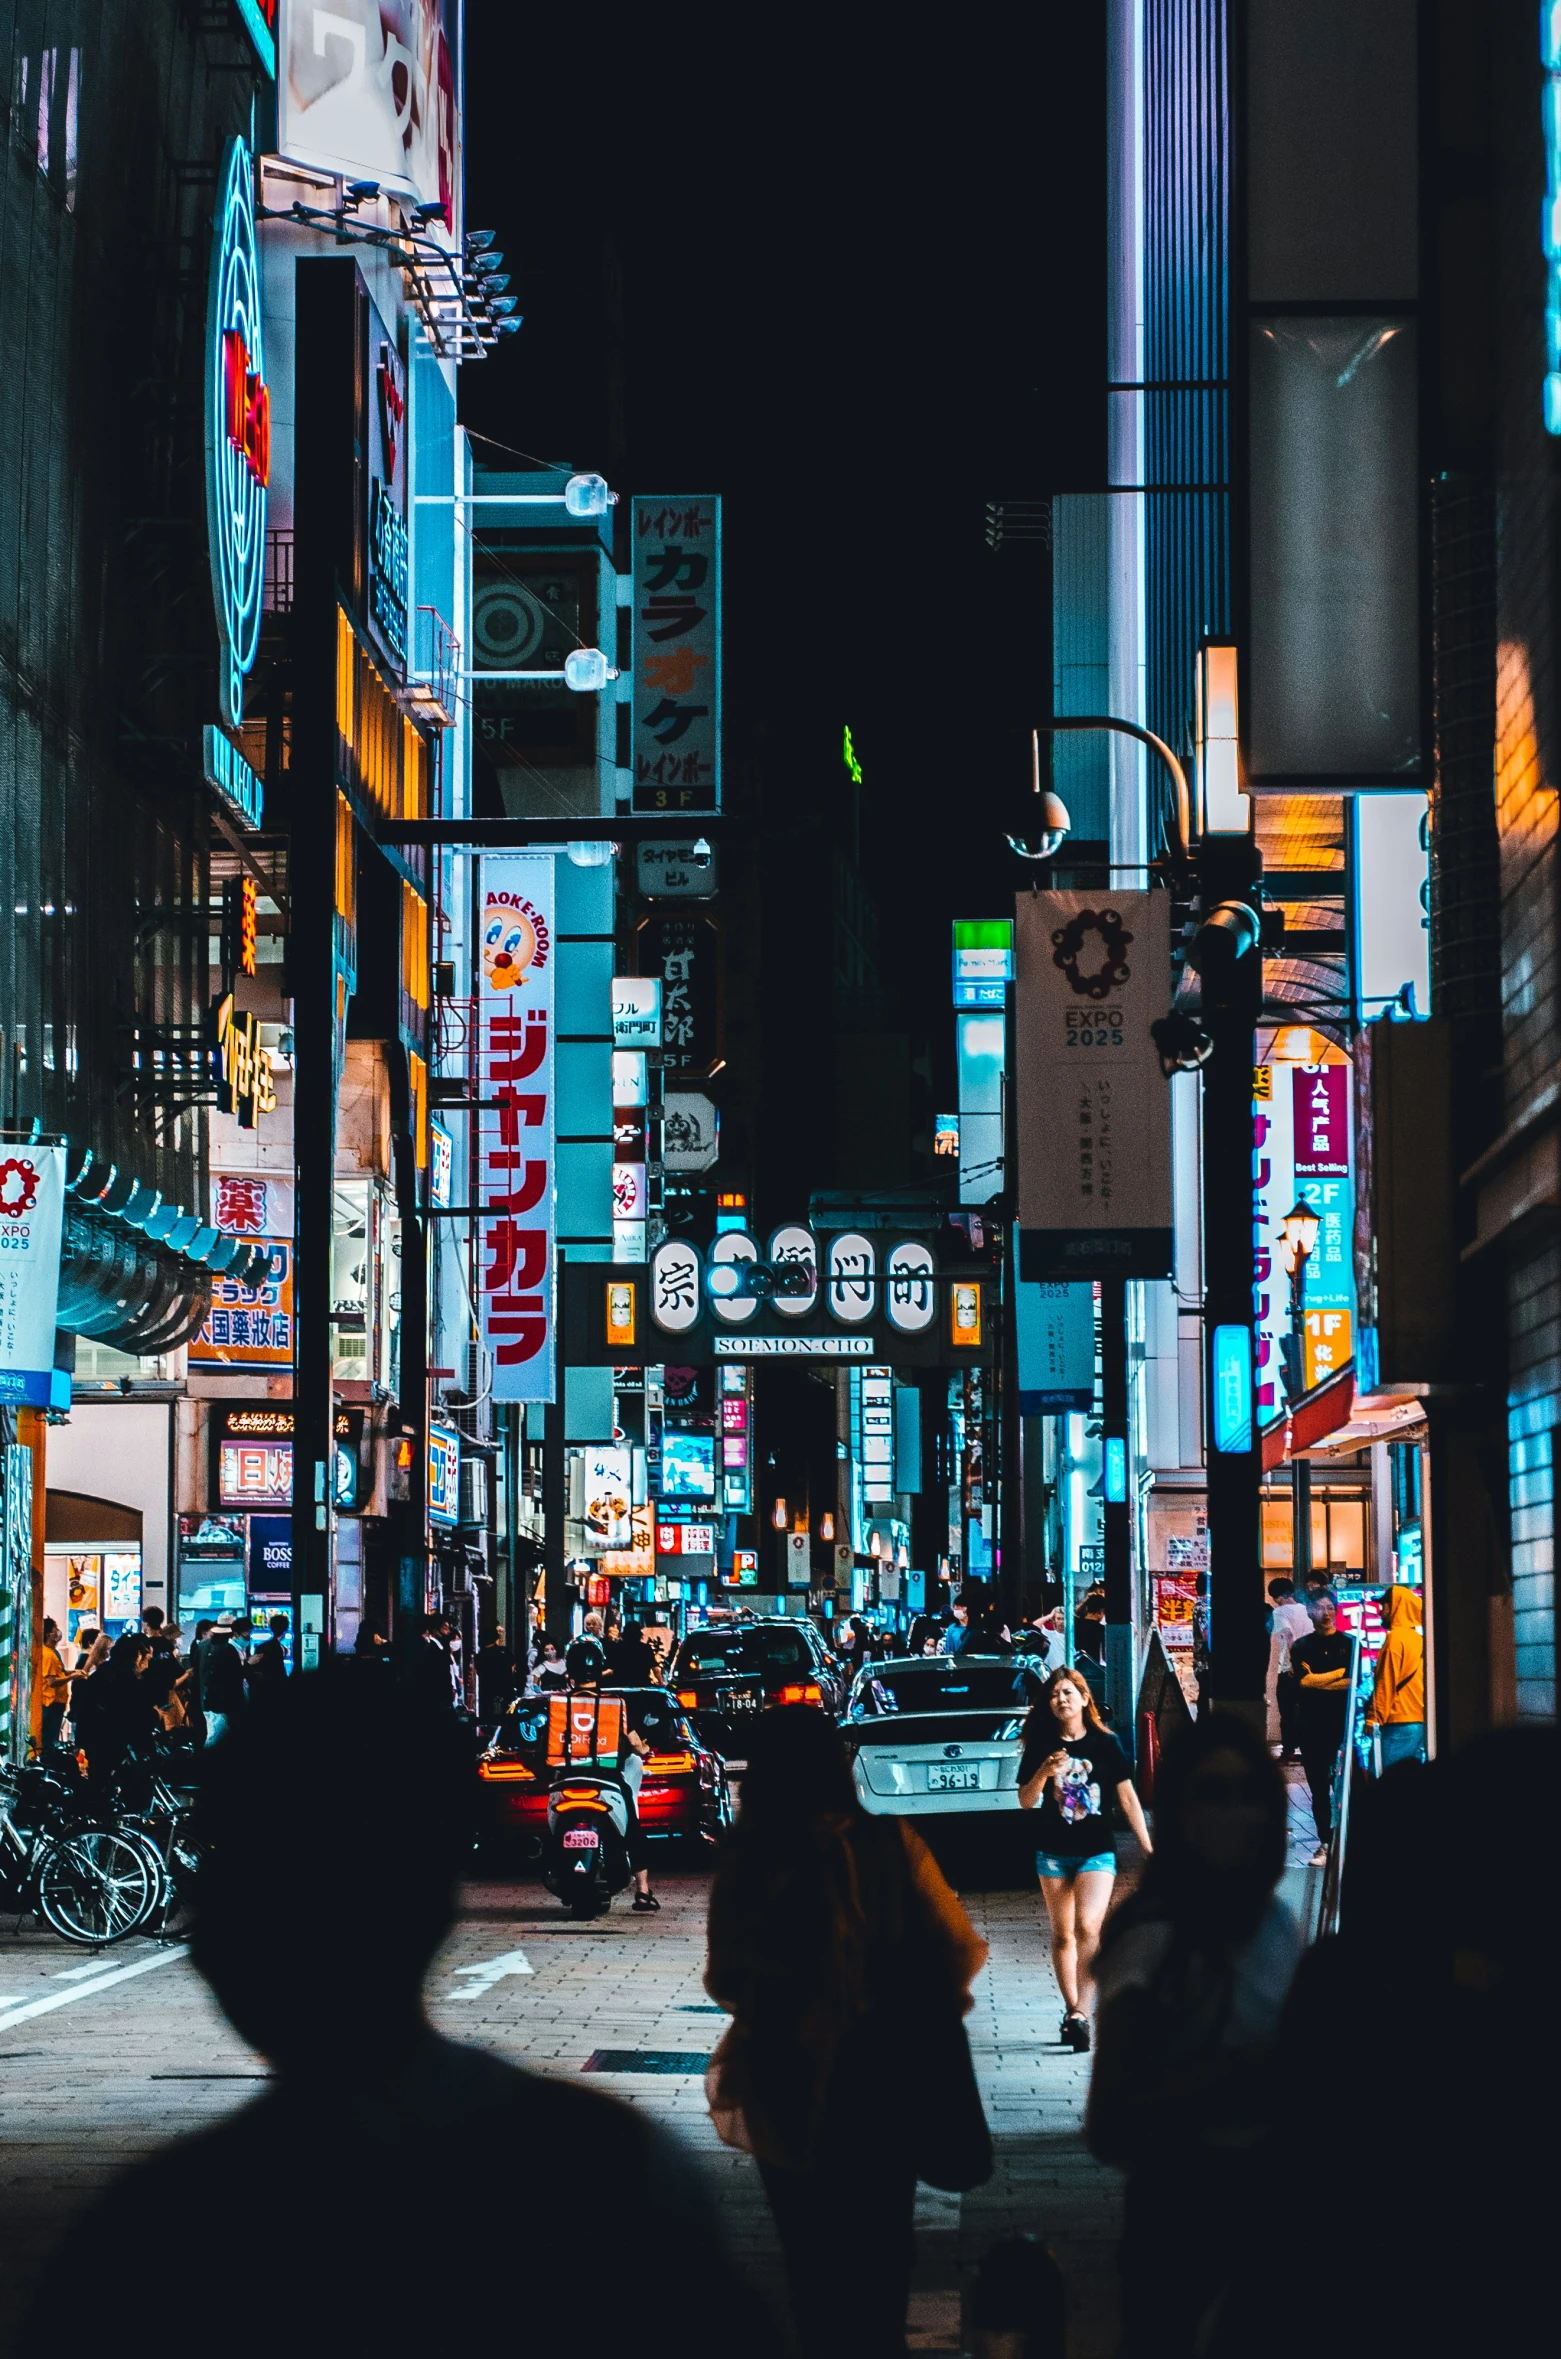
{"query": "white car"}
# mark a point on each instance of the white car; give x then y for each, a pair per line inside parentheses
(939, 1734)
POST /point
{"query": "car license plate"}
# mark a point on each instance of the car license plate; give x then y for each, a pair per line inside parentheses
(581, 1839)
(945, 1777)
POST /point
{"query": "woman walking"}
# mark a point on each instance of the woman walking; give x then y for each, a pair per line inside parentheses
(1070, 1767)
(845, 1962)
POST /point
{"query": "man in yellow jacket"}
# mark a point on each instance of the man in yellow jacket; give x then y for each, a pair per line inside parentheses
(1396, 1712)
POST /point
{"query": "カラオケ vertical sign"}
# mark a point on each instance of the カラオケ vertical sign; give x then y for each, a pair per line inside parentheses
(675, 745)
(516, 1230)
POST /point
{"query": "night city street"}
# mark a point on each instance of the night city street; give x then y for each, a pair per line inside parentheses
(565, 1994)
(780, 1179)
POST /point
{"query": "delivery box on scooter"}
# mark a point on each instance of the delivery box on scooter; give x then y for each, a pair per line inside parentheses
(584, 1730)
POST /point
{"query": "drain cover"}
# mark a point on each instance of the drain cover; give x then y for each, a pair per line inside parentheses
(643, 2060)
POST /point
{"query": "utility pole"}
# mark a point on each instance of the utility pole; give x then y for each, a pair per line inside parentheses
(1229, 956)
(1116, 1501)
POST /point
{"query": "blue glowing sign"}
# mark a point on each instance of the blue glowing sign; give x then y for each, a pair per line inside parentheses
(444, 1476)
(1116, 1469)
(238, 429)
(1233, 1390)
(258, 18)
(1550, 214)
(227, 770)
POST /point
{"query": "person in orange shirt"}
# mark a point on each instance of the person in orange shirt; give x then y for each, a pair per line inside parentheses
(53, 1685)
(1396, 1712)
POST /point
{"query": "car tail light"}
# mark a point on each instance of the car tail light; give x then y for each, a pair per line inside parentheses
(687, 1697)
(669, 1764)
(800, 1695)
(507, 1769)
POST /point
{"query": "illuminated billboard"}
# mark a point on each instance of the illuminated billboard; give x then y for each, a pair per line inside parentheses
(370, 90)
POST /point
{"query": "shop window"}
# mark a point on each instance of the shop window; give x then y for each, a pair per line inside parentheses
(351, 1262)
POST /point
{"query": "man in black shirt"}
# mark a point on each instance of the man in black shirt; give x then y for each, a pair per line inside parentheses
(1322, 1668)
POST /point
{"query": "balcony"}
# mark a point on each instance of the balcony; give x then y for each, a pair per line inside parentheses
(433, 677)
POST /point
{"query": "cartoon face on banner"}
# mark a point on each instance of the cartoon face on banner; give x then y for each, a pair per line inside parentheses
(514, 941)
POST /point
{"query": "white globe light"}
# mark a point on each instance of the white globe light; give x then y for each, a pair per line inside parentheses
(588, 495)
(585, 670)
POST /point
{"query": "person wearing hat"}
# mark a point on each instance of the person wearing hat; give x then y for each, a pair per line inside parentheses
(220, 1674)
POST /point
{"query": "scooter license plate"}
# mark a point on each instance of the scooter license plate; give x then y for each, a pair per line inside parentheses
(582, 1839)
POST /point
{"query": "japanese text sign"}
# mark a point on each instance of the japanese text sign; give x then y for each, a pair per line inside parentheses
(1093, 1133)
(1322, 1121)
(676, 741)
(516, 1126)
(251, 1326)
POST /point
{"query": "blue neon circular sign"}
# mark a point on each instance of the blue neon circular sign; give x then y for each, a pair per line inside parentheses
(238, 428)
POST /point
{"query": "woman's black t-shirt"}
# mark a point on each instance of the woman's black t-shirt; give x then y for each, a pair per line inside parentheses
(1078, 1825)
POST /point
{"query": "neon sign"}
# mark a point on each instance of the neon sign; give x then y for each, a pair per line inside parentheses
(259, 20)
(246, 1080)
(238, 429)
(247, 404)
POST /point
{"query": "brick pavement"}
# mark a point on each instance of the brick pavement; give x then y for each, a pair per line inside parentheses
(91, 2086)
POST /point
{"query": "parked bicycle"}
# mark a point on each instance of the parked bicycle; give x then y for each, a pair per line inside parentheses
(90, 1881)
(154, 1803)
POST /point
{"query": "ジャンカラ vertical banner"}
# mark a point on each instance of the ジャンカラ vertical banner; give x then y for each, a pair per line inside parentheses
(676, 741)
(516, 1230)
(1093, 1129)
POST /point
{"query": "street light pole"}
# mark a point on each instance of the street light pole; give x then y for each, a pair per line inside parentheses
(1297, 1237)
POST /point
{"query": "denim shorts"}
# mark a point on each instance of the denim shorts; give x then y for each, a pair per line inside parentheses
(1099, 1863)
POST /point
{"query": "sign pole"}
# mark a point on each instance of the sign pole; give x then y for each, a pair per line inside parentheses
(1229, 869)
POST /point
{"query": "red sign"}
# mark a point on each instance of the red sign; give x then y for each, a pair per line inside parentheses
(1322, 1121)
(685, 1539)
(246, 407)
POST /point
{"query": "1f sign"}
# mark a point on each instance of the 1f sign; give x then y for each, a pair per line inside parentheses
(515, 1127)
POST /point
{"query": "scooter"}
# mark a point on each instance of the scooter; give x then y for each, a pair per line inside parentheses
(586, 1856)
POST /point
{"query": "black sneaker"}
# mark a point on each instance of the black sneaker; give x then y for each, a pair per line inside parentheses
(645, 1904)
(1076, 2032)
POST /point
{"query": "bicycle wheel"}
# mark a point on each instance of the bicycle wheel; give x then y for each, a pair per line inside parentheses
(99, 1884)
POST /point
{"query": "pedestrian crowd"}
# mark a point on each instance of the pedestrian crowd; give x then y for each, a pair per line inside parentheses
(103, 1698)
(1229, 2063)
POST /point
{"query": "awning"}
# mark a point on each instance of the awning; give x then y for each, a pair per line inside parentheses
(135, 1272)
(1337, 1420)
(1315, 1414)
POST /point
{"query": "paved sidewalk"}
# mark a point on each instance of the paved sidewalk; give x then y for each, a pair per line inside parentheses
(125, 2063)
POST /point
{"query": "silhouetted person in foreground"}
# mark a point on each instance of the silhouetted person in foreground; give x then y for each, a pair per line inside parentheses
(1420, 2040)
(1192, 1975)
(846, 1963)
(339, 1815)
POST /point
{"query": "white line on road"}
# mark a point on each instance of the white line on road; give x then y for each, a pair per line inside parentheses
(88, 1990)
(487, 1971)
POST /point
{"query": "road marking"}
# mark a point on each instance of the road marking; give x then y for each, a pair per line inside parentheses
(487, 1971)
(88, 1990)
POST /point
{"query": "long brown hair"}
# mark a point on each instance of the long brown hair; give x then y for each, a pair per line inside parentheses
(1041, 1721)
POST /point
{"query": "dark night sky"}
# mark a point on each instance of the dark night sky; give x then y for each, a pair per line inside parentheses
(859, 292)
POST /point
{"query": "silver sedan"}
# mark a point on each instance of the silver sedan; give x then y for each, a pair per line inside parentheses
(939, 1735)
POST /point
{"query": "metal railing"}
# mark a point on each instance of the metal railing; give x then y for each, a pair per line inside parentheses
(433, 679)
(1343, 1786)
